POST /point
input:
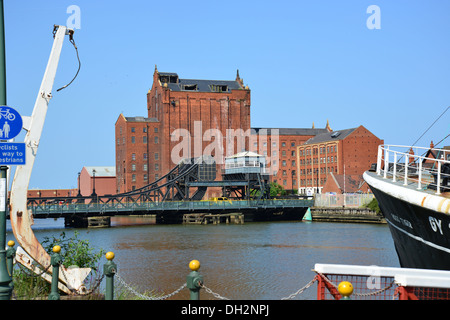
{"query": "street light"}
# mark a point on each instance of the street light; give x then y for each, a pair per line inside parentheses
(93, 188)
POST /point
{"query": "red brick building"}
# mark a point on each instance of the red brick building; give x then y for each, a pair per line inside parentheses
(186, 118)
(349, 152)
(101, 180)
(280, 144)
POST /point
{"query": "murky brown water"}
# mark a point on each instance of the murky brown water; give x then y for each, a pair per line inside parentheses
(253, 261)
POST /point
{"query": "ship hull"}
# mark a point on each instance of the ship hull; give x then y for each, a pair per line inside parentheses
(421, 236)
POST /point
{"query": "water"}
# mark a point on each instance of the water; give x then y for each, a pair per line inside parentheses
(253, 261)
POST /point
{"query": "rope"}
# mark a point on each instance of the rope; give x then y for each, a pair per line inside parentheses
(79, 63)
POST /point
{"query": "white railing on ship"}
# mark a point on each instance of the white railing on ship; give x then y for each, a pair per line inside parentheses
(389, 163)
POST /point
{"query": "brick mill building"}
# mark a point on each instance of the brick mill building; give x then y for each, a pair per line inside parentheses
(181, 112)
(190, 118)
(345, 152)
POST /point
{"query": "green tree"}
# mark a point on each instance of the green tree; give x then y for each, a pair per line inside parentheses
(276, 190)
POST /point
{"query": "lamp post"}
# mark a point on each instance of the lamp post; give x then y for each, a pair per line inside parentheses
(5, 278)
(79, 186)
(93, 187)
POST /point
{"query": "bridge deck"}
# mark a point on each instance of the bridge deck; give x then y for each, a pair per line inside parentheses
(43, 211)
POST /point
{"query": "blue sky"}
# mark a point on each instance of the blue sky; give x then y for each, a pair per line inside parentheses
(305, 62)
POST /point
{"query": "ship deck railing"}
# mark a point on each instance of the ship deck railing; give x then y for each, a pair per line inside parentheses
(428, 168)
(382, 283)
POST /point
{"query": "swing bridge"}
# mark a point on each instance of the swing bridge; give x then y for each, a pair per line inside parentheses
(245, 190)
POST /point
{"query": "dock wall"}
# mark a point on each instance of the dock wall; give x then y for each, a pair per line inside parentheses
(355, 215)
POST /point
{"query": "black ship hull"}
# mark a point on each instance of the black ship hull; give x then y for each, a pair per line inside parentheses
(421, 235)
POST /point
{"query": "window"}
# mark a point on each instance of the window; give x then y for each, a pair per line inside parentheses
(156, 167)
(133, 139)
(133, 178)
(283, 144)
(190, 87)
(145, 168)
(293, 163)
(144, 139)
(156, 130)
(133, 156)
(283, 153)
(292, 144)
(144, 129)
(284, 163)
(156, 156)
(156, 140)
(145, 177)
(133, 129)
(133, 167)
(293, 153)
(145, 156)
(218, 88)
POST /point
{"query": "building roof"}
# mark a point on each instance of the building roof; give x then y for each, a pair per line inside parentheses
(141, 119)
(174, 83)
(245, 154)
(330, 136)
(348, 183)
(101, 171)
(292, 131)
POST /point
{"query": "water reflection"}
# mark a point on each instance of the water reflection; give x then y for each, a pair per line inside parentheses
(250, 261)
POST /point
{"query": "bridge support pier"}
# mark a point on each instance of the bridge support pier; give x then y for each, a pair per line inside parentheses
(87, 222)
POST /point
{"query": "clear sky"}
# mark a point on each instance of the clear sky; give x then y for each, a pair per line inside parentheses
(304, 61)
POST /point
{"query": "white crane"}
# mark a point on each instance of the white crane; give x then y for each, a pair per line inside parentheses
(71, 279)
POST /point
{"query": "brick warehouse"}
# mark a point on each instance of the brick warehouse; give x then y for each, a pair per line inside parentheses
(146, 147)
(349, 152)
(187, 110)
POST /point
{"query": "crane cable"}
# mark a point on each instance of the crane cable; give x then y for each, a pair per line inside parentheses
(79, 62)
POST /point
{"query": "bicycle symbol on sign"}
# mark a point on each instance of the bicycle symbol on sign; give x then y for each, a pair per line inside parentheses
(7, 115)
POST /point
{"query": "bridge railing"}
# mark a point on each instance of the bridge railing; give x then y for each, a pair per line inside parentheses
(56, 209)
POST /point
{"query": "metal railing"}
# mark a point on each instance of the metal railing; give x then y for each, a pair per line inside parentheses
(112, 208)
(427, 167)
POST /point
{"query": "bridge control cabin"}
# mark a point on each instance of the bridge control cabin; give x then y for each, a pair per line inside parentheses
(249, 167)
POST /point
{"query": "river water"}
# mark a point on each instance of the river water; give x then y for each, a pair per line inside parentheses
(251, 261)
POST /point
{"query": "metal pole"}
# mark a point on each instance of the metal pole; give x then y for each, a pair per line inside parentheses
(109, 270)
(5, 278)
(2, 58)
(55, 261)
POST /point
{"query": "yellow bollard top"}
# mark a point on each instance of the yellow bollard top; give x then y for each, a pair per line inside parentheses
(194, 265)
(109, 255)
(345, 288)
(57, 249)
(11, 243)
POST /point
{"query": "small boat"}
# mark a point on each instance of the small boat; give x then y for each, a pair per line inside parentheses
(411, 185)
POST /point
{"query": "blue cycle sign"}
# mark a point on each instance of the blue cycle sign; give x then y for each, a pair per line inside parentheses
(10, 123)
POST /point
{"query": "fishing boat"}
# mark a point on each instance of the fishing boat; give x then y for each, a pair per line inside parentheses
(412, 187)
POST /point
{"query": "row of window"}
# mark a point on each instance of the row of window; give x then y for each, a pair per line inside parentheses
(133, 130)
(133, 140)
(144, 167)
(274, 144)
(329, 159)
(322, 150)
(322, 170)
(144, 156)
(133, 179)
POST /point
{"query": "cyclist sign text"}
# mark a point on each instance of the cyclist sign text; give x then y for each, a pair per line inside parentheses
(10, 123)
(12, 154)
